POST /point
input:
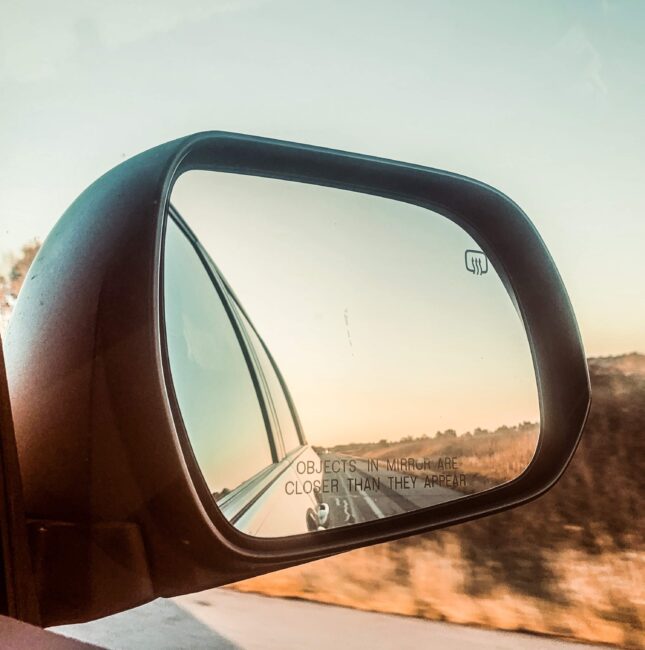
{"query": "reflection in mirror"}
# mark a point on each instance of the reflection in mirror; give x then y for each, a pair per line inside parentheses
(337, 357)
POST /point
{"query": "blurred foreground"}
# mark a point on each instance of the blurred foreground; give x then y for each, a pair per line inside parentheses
(571, 563)
(218, 619)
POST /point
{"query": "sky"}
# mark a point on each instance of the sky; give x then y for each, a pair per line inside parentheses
(367, 307)
(543, 100)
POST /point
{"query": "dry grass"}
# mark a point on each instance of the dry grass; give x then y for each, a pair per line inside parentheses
(598, 601)
(488, 458)
(570, 564)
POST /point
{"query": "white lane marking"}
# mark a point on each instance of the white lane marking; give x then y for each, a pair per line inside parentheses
(348, 514)
(375, 509)
(348, 500)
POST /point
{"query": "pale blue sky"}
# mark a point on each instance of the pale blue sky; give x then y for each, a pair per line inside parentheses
(366, 305)
(544, 100)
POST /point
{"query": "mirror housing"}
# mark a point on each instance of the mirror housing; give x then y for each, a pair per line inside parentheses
(117, 512)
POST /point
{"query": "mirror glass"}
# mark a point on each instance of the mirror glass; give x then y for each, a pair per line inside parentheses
(338, 357)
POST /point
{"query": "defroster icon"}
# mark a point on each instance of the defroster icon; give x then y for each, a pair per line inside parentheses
(476, 262)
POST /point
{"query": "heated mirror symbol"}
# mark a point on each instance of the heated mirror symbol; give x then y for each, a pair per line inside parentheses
(476, 262)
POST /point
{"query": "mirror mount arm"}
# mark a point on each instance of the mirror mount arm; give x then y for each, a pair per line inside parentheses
(62, 551)
(17, 588)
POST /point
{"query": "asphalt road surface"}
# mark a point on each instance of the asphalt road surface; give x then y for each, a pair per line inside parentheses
(367, 493)
(220, 619)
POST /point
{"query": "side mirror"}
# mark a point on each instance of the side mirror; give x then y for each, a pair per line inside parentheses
(165, 446)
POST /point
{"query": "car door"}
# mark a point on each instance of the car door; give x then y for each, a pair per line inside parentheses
(254, 505)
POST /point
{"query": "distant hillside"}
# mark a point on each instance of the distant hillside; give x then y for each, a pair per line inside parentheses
(599, 500)
(625, 364)
(485, 458)
(11, 281)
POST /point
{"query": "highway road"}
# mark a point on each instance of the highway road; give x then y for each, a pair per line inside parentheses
(221, 619)
(366, 493)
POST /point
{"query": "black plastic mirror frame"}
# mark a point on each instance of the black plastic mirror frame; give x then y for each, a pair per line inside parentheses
(508, 238)
(111, 464)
